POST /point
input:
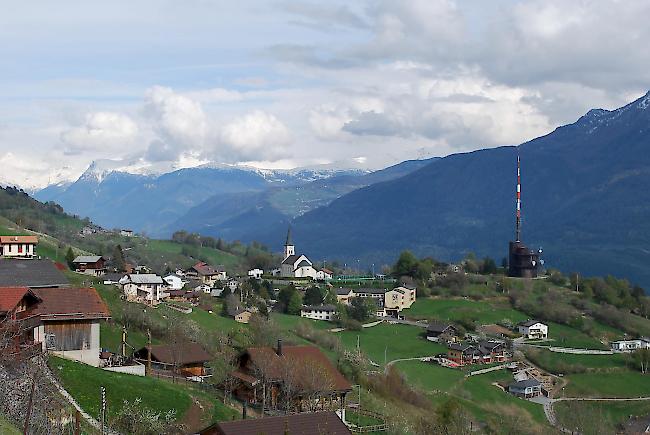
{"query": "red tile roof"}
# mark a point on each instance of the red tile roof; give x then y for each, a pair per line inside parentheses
(70, 303)
(268, 357)
(10, 296)
(19, 239)
(204, 269)
(296, 424)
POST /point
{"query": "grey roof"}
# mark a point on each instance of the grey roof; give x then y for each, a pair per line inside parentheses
(304, 263)
(87, 259)
(490, 345)
(289, 242)
(375, 291)
(145, 278)
(31, 273)
(439, 327)
(291, 259)
(343, 291)
(531, 323)
(526, 383)
(461, 347)
(326, 307)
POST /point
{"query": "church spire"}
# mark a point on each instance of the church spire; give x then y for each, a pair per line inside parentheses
(289, 242)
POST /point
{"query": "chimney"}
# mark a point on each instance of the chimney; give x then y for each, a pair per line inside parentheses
(279, 349)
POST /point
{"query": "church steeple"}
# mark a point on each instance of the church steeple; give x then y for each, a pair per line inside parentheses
(289, 248)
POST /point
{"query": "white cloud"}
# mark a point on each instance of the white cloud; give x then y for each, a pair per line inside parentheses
(256, 136)
(100, 130)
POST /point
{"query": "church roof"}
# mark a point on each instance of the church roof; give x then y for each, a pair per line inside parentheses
(304, 263)
(291, 259)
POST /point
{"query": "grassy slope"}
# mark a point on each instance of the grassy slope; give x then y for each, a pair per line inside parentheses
(7, 428)
(454, 309)
(558, 362)
(214, 256)
(620, 383)
(84, 383)
(399, 341)
(609, 413)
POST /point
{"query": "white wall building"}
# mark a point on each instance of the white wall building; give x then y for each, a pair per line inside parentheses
(630, 345)
(533, 329)
(256, 273)
(174, 282)
(318, 312)
(18, 246)
(144, 287)
(295, 265)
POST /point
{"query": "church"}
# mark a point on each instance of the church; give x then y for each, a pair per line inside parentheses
(296, 266)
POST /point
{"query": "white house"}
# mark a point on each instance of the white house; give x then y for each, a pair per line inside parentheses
(144, 287)
(126, 233)
(18, 246)
(318, 312)
(630, 345)
(232, 284)
(174, 282)
(324, 274)
(533, 329)
(256, 273)
(295, 266)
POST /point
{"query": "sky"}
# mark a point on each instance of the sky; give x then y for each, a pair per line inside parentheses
(159, 85)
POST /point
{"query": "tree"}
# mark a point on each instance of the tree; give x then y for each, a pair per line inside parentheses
(285, 296)
(407, 265)
(313, 296)
(69, 258)
(295, 304)
(488, 266)
(361, 309)
(641, 358)
(118, 259)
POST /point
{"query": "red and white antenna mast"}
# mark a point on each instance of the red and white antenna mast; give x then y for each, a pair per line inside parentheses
(518, 235)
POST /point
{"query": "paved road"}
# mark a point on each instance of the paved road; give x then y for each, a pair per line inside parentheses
(408, 322)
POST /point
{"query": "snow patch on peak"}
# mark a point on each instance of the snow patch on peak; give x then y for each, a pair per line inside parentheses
(644, 102)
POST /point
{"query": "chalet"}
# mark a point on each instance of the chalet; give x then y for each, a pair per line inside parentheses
(291, 378)
(318, 312)
(174, 282)
(240, 314)
(256, 273)
(324, 275)
(63, 321)
(462, 353)
(187, 358)
(324, 422)
(485, 352)
(94, 265)
(437, 331)
(533, 329)
(492, 351)
(18, 246)
(144, 287)
(526, 389)
(34, 274)
(343, 295)
(206, 274)
(293, 265)
(630, 345)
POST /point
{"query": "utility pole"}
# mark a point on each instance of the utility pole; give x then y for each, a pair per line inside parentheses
(148, 366)
(124, 341)
(358, 346)
(103, 411)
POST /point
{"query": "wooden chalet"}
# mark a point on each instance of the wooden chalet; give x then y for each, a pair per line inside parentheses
(187, 359)
(290, 378)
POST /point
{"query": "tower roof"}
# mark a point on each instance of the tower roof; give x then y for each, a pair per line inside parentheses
(289, 241)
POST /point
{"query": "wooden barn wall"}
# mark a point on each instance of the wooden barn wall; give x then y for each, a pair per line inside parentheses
(70, 335)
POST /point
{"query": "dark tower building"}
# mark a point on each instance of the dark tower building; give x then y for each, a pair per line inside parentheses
(522, 262)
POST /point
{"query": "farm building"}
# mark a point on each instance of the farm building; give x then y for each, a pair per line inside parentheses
(90, 264)
(18, 246)
(325, 422)
(188, 359)
(437, 331)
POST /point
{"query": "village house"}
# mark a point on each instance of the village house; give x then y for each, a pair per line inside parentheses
(232, 285)
(94, 265)
(630, 345)
(144, 287)
(324, 275)
(34, 274)
(343, 295)
(293, 265)
(397, 299)
(206, 274)
(18, 246)
(445, 332)
(325, 422)
(318, 312)
(186, 358)
(240, 314)
(485, 352)
(174, 282)
(291, 378)
(126, 233)
(526, 389)
(63, 321)
(533, 329)
(256, 273)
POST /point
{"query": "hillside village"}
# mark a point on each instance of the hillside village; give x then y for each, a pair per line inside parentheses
(463, 341)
